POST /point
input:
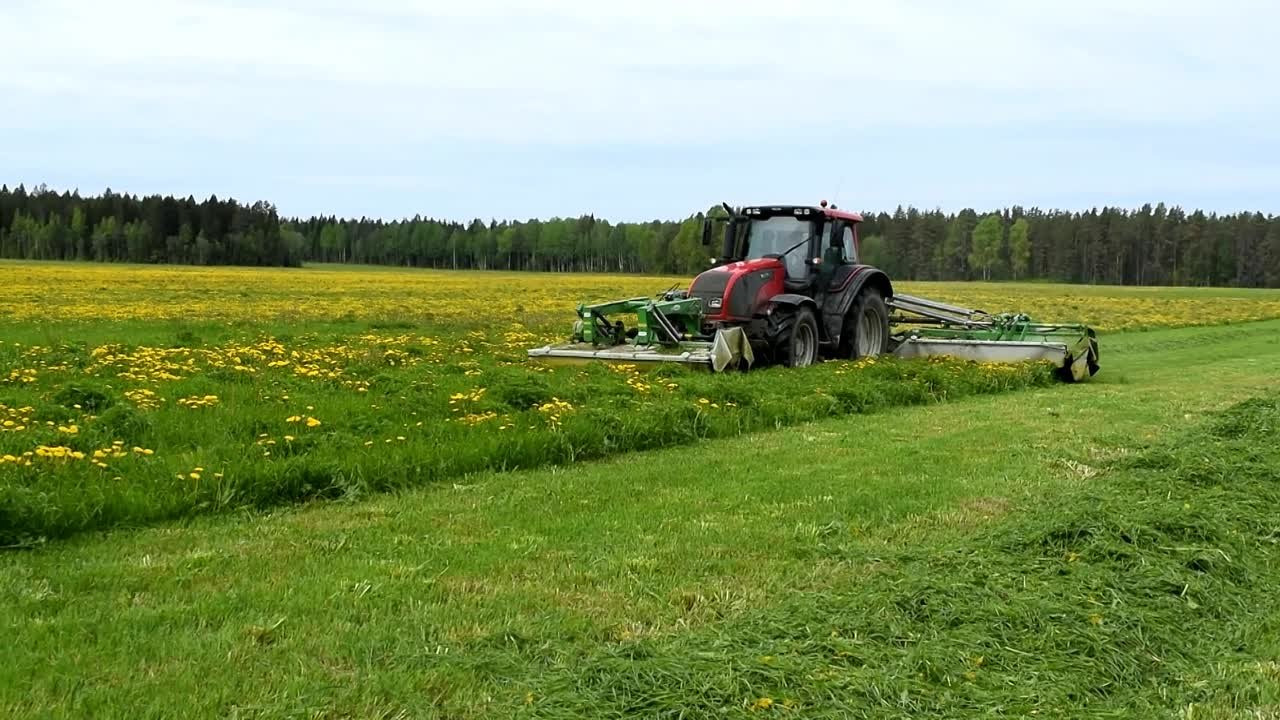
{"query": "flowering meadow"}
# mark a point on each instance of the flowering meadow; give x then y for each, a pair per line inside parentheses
(79, 294)
(131, 395)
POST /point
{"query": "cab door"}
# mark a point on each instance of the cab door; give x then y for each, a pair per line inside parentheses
(849, 242)
(839, 252)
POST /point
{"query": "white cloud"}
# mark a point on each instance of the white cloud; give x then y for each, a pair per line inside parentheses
(388, 76)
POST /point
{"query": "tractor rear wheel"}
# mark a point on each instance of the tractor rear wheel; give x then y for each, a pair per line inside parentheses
(798, 343)
(866, 326)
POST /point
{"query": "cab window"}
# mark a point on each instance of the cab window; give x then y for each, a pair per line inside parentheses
(850, 253)
(828, 228)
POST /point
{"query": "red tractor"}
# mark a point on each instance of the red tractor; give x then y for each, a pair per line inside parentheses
(791, 278)
(789, 286)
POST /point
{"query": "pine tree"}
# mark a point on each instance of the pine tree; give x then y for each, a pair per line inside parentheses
(873, 250)
(1272, 257)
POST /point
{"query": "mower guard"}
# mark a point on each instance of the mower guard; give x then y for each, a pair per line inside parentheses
(729, 348)
(928, 327)
(1067, 348)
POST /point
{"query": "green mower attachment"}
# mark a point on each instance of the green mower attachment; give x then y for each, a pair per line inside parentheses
(674, 328)
(666, 330)
(927, 328)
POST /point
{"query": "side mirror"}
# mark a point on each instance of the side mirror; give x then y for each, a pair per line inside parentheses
(731, 231)
(706, 233)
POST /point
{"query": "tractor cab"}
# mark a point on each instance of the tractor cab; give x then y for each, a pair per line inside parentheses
(812, 243)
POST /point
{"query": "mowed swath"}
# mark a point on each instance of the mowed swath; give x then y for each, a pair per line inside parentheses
(133, 394)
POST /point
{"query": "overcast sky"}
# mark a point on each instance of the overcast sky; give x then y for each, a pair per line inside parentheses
(516, 109)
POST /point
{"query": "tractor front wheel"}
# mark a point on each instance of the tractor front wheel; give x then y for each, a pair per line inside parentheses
(798, 343)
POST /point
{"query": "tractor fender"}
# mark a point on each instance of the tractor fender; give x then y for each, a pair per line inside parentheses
(840, 300)
(789, 300)
(776, 315)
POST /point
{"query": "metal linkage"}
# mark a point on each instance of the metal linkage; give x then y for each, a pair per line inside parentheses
(941, 312)
(665, 324)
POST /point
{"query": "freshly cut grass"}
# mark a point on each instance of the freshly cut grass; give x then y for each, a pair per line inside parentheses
(1148, 591)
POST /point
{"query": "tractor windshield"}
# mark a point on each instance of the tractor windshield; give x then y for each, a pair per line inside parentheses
(773, 236)
(776, 234)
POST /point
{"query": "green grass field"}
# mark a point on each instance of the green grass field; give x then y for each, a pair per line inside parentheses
(1101, 550)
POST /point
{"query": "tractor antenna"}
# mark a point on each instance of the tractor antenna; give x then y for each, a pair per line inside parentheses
(835, 195)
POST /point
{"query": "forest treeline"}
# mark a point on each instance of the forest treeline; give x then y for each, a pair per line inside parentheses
(1151, 245)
